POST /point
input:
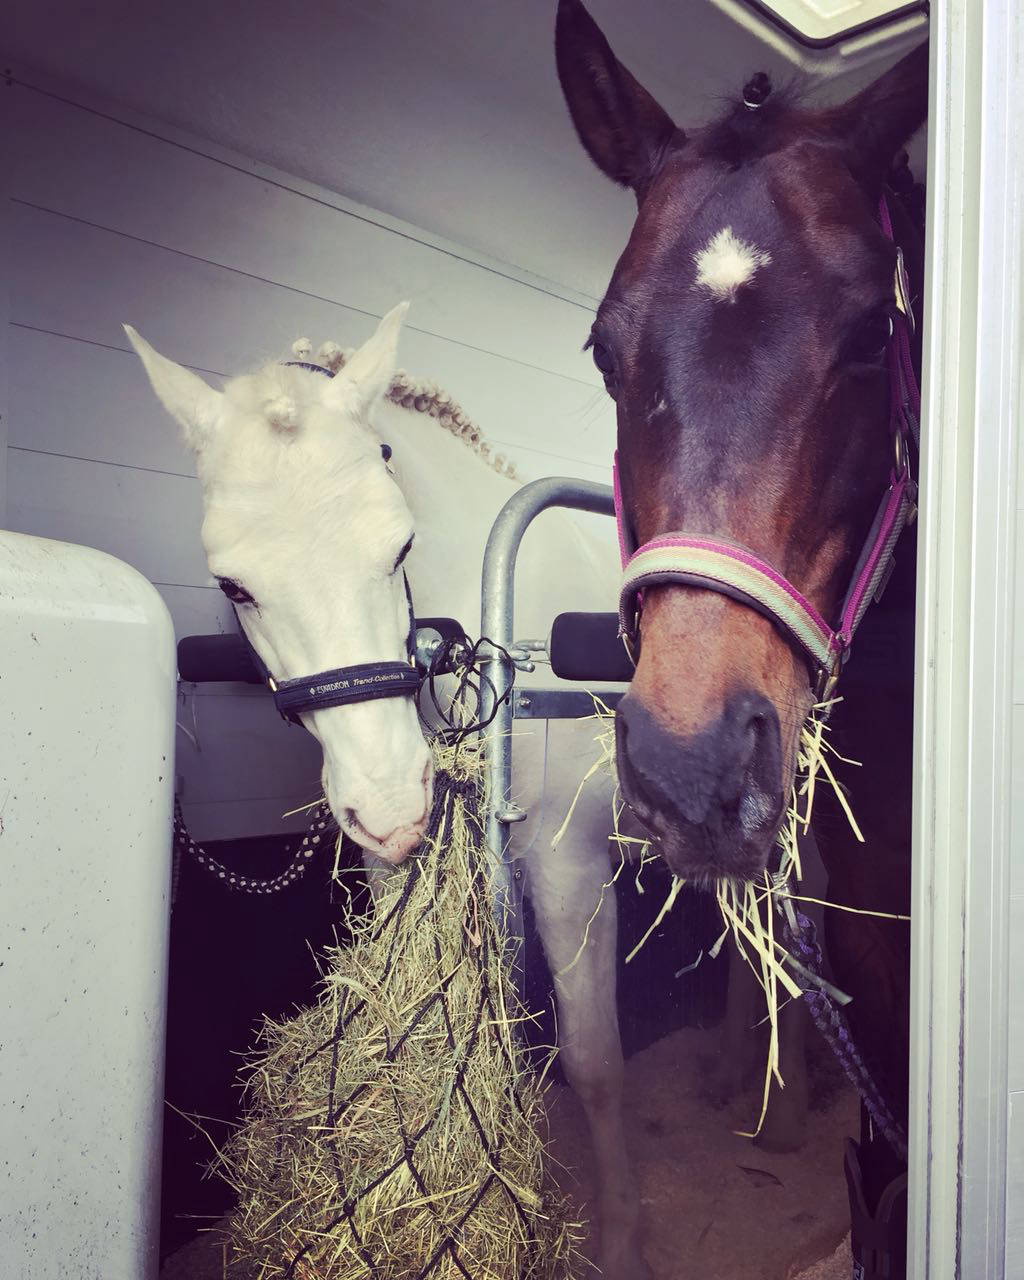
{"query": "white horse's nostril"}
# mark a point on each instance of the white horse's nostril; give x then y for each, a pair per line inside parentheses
(402, 841)
(394, 847)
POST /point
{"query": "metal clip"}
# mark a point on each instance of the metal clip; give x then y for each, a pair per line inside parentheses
(426, 643)
(521, 660)
(523, 649)
(512, 813)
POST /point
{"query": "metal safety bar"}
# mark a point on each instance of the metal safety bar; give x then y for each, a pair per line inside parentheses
(497, 612)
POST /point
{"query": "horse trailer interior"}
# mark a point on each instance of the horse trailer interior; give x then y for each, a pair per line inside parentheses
(554, 533)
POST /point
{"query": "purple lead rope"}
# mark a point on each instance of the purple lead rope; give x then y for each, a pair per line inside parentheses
(832, 1022)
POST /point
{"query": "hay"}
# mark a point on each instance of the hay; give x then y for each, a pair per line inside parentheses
(748, 909)
(393, 1130)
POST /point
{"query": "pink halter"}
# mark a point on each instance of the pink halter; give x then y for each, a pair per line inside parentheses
(734, 571)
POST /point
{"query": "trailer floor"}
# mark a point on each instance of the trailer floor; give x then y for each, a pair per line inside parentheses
(716, 1207)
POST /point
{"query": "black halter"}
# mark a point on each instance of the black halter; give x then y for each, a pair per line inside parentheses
(362, 682)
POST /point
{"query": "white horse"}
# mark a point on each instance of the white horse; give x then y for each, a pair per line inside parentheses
(307, 528)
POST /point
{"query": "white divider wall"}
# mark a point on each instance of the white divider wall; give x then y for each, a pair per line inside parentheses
(967, 1048)
(222, 263)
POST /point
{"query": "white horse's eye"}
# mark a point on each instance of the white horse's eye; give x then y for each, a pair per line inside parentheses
(236, 593)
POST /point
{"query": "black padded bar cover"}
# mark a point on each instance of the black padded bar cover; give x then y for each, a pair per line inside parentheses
(448, 628)
(586, 646)
(202, 659)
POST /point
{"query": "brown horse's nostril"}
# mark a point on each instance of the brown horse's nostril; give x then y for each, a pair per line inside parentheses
(719, 790)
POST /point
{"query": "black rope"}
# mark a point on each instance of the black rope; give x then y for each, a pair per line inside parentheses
(459, 711)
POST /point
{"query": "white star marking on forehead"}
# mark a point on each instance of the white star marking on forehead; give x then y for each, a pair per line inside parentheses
(727, 262)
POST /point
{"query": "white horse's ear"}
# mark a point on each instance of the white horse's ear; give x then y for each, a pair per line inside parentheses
(367, 376)
(183, 394)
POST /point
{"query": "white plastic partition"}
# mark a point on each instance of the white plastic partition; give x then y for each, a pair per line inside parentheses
(87, 679)
(966, 1161)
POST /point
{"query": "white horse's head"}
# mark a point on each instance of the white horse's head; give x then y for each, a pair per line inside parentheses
(306, 530)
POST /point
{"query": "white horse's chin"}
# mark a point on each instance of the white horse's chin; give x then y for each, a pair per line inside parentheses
(388, 822)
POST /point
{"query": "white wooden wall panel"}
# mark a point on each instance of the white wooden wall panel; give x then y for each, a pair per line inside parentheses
(79, 398)
(221, 268)
(246, 815)
(212, 318)
(241, 747)
(197, 610)
(148, 518)
(114, 176)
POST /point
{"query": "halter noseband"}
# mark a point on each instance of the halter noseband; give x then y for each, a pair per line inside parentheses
(732, 570)
(362, 682)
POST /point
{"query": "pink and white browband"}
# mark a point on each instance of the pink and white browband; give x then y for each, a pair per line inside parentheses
(726, 567)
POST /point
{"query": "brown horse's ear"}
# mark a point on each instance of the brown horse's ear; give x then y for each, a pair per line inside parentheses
(878, 121)
(622, 128)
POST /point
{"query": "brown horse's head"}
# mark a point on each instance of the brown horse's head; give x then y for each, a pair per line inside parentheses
(743, 339)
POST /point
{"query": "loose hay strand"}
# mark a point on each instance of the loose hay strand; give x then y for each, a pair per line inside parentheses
(666, 907)
(393, 1128)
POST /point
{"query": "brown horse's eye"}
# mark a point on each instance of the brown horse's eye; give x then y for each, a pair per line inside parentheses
(602, 358)
(872, 338)
(605, 362)
(235, 593)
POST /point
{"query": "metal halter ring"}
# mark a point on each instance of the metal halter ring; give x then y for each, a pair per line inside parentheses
(900, 451)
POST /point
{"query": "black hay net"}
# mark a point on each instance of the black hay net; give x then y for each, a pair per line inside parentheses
(393, 1128)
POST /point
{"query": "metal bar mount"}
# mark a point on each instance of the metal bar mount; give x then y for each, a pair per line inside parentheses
(497, 611)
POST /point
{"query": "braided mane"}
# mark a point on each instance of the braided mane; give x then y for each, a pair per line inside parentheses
(420, 397)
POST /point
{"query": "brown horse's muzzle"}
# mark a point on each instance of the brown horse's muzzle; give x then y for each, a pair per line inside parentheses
(706, 737)
(713, 800)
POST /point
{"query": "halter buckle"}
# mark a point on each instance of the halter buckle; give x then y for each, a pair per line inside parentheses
(902, 459)
(829, 676)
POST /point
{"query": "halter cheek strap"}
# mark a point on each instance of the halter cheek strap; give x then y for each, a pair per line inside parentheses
(361, 682)
(732, 570)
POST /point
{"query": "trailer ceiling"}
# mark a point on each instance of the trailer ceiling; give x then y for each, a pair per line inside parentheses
(446, 114)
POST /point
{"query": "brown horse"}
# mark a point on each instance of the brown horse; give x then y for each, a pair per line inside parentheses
(743, 338)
